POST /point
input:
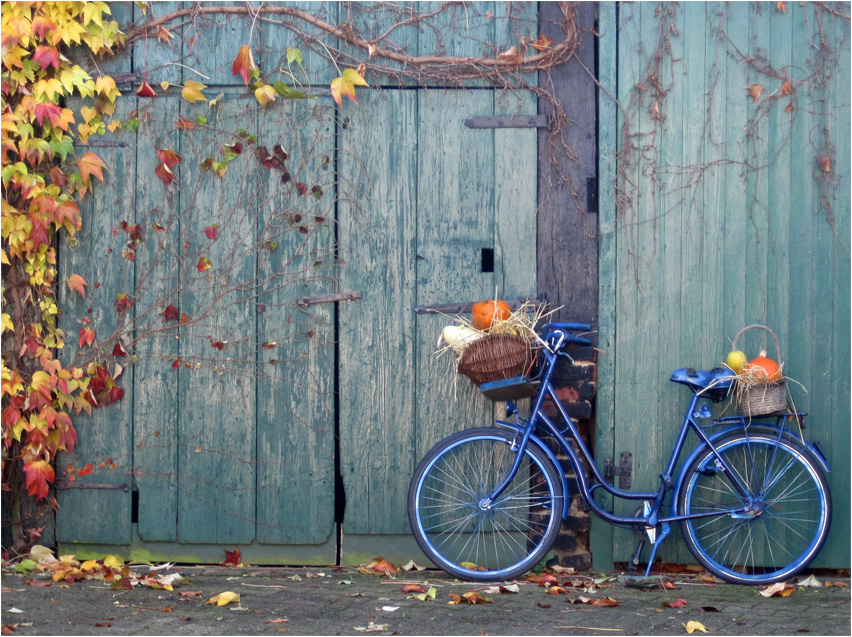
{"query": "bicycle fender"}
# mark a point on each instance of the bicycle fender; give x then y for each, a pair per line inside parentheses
(566, 504)
(809, 446)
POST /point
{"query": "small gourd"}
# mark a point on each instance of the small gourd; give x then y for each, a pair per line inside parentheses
(764, 367)
(485, 314)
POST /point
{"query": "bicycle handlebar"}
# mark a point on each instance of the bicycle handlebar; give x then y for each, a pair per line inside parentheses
(564, 328)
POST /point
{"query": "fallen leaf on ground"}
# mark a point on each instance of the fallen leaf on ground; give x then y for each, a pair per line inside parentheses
(471, 597)
(372, 628)
(678, 603)
(692, 626)
(426, 596)
(810, 580)
(412, 588)
(277, 620)
(222, 599)
(780, 589)
(409, 565)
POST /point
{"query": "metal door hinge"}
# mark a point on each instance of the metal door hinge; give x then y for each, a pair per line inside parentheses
(508, 121)
(624, 470)
(328, 298)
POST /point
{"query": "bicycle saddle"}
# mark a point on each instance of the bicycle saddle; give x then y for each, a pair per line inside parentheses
(718, 378)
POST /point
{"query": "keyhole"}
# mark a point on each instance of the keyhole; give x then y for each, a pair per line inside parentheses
(487, 260)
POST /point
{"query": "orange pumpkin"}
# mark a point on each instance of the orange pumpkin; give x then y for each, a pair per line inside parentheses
(486, 313)
(764, 366)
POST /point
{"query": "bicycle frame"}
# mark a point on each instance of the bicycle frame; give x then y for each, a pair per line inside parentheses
(651, 518)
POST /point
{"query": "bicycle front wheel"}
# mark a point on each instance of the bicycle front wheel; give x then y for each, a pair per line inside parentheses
(767, 534)
(460, 530)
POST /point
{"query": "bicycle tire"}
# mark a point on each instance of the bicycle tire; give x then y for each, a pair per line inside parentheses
(789, 509)
(461, 537)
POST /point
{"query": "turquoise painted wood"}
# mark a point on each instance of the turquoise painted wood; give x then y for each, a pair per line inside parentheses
(721, 217)
(239, 402)
(436, 194)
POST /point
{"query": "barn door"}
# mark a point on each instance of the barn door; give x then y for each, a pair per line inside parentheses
(447, 215)
(225, 435)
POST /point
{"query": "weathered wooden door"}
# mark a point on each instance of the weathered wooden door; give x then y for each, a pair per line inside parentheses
(251, 418)
(715, 214)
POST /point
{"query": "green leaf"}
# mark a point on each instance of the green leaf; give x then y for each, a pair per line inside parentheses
(201, 120)
(132, 125)
(294, 55)
(281, 88)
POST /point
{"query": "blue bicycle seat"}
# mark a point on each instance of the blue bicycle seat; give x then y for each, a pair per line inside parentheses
(715, 379)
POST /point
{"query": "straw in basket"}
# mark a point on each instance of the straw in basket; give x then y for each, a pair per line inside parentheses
(760, 398)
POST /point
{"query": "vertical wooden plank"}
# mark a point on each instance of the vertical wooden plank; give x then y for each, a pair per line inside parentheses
(156, 417)
(295, 344)
(316, 71)
(838, 550)
(515, 156)
(216, 457)
(211, 42)
(377, 376)
(85, 515)
(454, 222)
(600, 537)
(567, 230)
(458, 30)
(157, 58)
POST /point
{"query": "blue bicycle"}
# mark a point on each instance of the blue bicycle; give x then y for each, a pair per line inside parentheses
(751, 498)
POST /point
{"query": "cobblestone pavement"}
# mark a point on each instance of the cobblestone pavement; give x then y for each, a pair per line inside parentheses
(344, 601)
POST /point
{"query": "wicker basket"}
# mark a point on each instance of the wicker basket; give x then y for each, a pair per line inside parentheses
(496, 357)
(764, 398)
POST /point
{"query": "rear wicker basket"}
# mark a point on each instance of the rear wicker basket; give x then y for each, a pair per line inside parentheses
(496, 357)
(764, 398)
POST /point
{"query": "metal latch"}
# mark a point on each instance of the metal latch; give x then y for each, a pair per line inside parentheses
(624, 470)
(64, 485)
(328, 298)
(508, 121)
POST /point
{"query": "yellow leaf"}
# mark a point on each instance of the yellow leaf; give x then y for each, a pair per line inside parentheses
(88, 113)
(89, 565)
(692, 626)
(165, 85)
(113, 561)
(223, 598)
(192, 91)
(265, 94)
(105, 85)
(344, 86)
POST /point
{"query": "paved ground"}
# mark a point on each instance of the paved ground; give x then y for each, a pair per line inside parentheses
(334, 601)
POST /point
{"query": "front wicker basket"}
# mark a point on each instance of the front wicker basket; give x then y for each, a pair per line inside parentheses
(496, 357)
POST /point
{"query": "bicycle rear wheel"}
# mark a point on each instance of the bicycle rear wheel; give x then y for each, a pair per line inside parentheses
(469, 538)
(782, 521)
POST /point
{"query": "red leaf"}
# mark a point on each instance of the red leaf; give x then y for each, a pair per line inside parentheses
(185, 124)
(244, 64)
(46, 56)
(210, 231)
(232, 558)
(91, 164)
(163, 172)
(119, 351)
(203, 264)
(87, 336)
(169, 157)
(86, 470)
(170, 314)
(412, 588)
(176, 364)
(145, 90)
(41, 25)
(122, 302)
(39, 475)
(115, 394)
(49, 110)
(301, 188)
(78, 284)
(678, 603)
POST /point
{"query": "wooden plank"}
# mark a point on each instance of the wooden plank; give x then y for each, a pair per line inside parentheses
(217, 454)
(455, 220)
(378, 389)
(316, 72)
(567, 230)
(515, 154)
(296, 235)
(156, 415)
(158, 59)
(600, 537)
(107, 433)
(211, 44)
